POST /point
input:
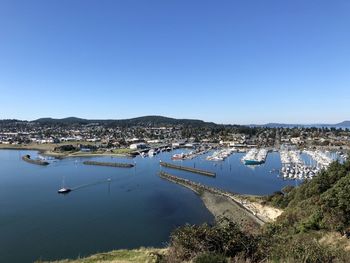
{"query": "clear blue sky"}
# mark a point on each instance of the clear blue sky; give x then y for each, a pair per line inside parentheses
(222, 61)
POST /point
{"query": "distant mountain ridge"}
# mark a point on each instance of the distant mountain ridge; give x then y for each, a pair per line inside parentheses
(155, 120)
(151, 120)
(344, 124)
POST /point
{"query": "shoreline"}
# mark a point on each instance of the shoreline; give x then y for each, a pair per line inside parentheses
(81, 154)
(222, 203)
(46, 150)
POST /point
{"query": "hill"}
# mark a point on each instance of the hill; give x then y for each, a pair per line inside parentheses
(344, 124)
(139, 121)
(69, 120)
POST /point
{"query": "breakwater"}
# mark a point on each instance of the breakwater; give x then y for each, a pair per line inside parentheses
(32, 161)
(188, 169)
(122, 165)
(199, 188)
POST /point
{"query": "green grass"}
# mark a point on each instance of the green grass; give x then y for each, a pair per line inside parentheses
(122, 151)
(146, 255)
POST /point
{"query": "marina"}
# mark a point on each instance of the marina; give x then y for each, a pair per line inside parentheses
(221, 155)
(255, 156)
(190, 155)
(296, 167)
(293, 167)
(320, 158)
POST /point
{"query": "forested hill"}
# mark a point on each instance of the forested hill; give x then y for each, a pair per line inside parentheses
(140, 121)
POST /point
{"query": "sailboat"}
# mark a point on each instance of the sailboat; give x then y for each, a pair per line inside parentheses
(64, 190)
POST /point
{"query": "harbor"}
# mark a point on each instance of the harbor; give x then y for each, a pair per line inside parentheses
(126, 196)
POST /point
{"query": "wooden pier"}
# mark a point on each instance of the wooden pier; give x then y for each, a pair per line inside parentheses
(122, 165)
(187, 169)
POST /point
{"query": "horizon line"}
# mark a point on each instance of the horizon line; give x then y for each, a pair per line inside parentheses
(179, 118)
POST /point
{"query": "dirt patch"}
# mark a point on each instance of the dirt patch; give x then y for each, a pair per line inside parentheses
(335, 239)
(221, 206)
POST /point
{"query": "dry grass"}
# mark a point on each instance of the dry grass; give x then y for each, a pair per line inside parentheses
(142, 255)
(336, 240)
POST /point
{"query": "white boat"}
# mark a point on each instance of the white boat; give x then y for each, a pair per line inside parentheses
(143, 154)
(64, 190)
(178, 156)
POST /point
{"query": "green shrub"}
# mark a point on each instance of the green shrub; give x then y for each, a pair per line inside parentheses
(210, 258)
(223, 238)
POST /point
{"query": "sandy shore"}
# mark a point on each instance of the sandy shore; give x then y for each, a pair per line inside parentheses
(47, 149)
(264, 212)
(247, 211)
(81, 154)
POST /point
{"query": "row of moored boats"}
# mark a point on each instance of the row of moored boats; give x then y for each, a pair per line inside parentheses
(293, 167)
(221, 155)
(255, 156)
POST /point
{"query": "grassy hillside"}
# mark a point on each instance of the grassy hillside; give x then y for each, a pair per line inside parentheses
(148, 255)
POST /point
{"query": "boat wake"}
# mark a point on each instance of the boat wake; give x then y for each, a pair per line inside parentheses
(109, 180)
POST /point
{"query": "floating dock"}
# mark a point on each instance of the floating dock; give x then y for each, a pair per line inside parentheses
(122, 165)
(32, 161)
(188, 169)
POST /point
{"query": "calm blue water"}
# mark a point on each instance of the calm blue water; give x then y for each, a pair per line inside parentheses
(137, 208)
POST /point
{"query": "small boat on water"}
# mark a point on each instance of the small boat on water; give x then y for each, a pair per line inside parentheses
(64, 190)
(178, 156)
(143, 154)
(151, 152)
